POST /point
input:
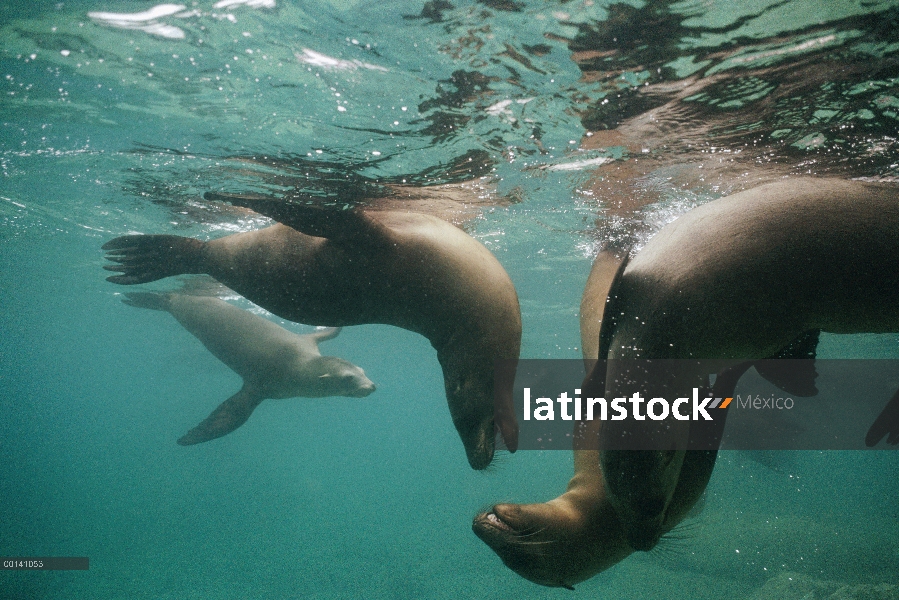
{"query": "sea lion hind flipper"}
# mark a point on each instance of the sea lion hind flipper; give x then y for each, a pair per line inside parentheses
(325, 334)
(230, 414)
(792, 369)
(306, 216)
(886, 424)
(145, 258)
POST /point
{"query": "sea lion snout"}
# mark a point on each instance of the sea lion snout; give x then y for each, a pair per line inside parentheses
(470, 401)
(354, 383)
(498, 528)
(479, 445)
(363, 389)
(530, 540)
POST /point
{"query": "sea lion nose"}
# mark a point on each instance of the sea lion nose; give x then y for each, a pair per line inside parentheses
(479, 456)
(364, 389)
(479, 447)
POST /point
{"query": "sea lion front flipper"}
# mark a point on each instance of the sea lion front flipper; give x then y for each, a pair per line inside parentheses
(599, 291)
(887, 423)
(145, 258)
(504, 419)
(792, 369)
(230, 414)
(706, 435)
(307, 216)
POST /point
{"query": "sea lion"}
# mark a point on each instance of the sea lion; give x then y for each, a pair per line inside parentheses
(355, 266)
(746, 277)
(273, 362)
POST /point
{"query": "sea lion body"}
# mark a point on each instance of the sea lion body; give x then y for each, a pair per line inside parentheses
(743, 276)
(736, 280)
(273, 362)
(353, 267)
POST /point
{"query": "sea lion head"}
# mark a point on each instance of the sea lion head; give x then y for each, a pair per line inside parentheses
(470, 400)
(470, 377)
(334, 376)
(552, 544)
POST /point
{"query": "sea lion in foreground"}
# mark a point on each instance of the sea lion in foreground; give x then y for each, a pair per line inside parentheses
(355, 266)
(738, 279)
(273, 362)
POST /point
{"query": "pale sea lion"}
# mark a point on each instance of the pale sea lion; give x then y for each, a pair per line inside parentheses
(739, 279)
(350, 267)
(273, 362)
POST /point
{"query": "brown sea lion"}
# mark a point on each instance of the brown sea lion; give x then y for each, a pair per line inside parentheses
(739, 279)
(273, 362)
(355, 266)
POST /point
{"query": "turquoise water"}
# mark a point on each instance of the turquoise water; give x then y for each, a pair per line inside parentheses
(586, 121)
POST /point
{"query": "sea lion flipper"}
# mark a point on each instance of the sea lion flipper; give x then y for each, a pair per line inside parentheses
(281, 210)
(886, 424)
(607, 326)
(792, 369)
(230, 414)
(305, 216)
(145, 258)
(150, 300)
(325, 334)
(600, 289)
(596, 331)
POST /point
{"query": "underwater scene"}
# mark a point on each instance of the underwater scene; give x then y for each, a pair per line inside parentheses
(464, 159)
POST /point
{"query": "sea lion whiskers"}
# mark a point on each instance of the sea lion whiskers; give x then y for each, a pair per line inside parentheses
(488, 513)
(500, 457)
(674, 542)
(532, 532)
(524, 538)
